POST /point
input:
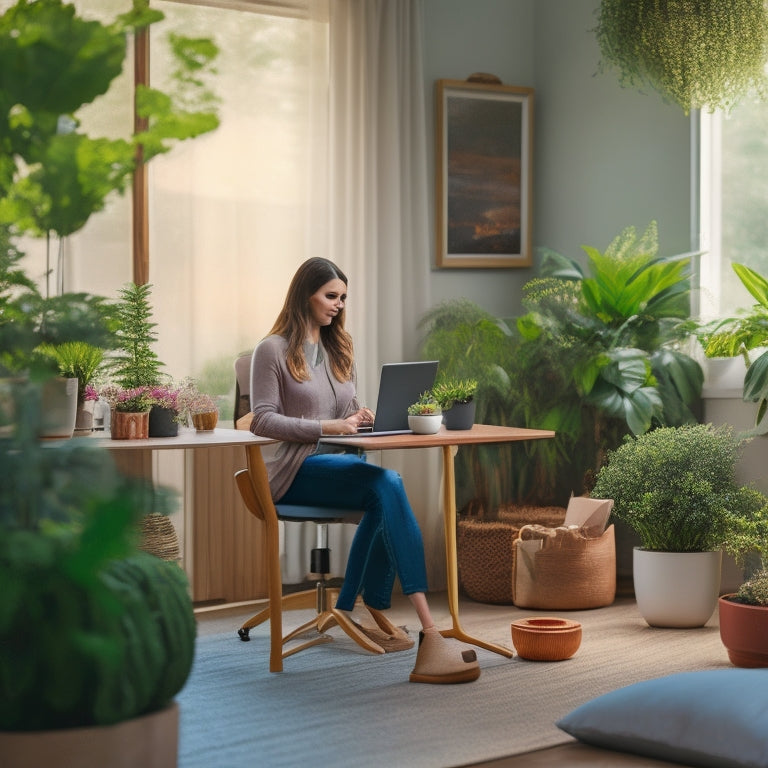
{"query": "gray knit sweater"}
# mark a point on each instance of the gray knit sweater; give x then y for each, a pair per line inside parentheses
(290, 410)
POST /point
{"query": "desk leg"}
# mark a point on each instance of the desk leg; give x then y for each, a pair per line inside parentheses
(451, 557)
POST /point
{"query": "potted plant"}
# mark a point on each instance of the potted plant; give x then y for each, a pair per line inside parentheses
(165, 413)
(195, 407)
(708, 55)
(456, 398)
(598, 354)
(120, 629)
(79, 360)
(129, 417)
(425, 415)
(742, 334)
(744, 622)
(676, 488)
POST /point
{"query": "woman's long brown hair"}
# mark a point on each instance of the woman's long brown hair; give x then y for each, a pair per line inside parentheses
(295, 317)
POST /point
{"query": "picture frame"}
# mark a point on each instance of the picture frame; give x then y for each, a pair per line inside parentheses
(484, 178)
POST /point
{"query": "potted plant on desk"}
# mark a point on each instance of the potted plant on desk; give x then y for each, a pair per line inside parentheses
(195, 407)
(677, 488)
(425, 415)
(456, 398)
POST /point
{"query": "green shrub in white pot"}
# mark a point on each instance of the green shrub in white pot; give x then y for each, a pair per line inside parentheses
(676, 488)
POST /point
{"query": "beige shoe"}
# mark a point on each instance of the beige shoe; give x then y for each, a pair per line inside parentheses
(440, 661)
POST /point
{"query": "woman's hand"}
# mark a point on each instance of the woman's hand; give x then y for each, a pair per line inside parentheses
(348, 426)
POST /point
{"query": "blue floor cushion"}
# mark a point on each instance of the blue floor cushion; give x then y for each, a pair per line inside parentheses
(716, 718)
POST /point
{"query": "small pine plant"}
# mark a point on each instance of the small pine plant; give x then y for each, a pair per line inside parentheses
(137, 364)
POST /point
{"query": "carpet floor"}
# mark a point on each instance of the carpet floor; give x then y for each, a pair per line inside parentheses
(337, 705)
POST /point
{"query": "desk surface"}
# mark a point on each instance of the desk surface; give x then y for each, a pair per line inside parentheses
(187, 438)
(480, 433)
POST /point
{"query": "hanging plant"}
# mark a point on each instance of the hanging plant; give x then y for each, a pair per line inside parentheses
(700, 54)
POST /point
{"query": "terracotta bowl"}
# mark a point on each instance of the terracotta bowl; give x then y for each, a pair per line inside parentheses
(546, 638)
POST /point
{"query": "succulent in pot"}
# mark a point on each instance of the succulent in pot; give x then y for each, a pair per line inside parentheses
(425, 415)
(457, 399)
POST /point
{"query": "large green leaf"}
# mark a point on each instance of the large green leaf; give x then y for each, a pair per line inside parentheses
(53, 61)
(756, 284)
(756, 379)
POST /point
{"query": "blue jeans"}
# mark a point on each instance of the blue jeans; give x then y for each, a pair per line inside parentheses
(387, 541)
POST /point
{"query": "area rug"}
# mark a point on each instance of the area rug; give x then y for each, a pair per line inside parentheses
(335, 705)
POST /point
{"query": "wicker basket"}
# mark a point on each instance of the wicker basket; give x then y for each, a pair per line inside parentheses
(158, 537)
(486, 552)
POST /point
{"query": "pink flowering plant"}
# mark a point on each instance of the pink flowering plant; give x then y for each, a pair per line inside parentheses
(191, 400)
(135, 400)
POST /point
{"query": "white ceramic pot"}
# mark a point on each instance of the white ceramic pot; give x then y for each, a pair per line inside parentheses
(59, 408)
(676, 589)
(427, 424)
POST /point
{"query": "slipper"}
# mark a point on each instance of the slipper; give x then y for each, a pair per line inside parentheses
(441, 662)
(390, 643)
(385, 625)
(381, 630)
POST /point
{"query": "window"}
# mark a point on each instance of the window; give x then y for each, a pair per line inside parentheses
(734, 199)
(230, 213)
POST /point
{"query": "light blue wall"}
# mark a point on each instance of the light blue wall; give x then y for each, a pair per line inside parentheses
(604, 157)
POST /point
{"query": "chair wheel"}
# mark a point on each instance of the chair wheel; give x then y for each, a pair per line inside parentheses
(244, 634)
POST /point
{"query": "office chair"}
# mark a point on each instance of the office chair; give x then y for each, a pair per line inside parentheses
(253, 485)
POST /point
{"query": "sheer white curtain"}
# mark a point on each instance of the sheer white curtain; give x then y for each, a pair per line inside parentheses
(378, 228)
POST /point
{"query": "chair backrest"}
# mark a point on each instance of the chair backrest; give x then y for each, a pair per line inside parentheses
(242, 385)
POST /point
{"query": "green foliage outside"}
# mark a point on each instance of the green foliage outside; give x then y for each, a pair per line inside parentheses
(52, 62)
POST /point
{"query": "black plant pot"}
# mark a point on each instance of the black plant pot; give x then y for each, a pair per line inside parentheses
(460, 416)
(162, 422)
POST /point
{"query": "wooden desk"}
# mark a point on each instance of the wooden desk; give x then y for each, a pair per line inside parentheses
(449, 441)
(221, 541)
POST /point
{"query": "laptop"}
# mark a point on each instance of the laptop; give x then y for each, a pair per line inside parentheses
(400, 385)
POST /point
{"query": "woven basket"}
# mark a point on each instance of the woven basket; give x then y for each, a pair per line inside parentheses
(569, 572)
(158, 537)
(485, 552)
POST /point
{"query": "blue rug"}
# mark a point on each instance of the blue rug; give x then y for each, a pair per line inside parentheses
(335, 705)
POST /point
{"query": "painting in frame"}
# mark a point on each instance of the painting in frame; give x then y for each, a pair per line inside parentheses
(483, 174)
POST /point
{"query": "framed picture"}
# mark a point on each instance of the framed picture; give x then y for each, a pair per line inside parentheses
(483, 173)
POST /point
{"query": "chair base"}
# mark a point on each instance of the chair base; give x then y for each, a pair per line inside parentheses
(326, 617)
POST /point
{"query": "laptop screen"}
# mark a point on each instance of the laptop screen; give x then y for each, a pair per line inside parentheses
(400, 385)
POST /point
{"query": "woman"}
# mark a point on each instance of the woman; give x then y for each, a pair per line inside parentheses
(303, 387)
